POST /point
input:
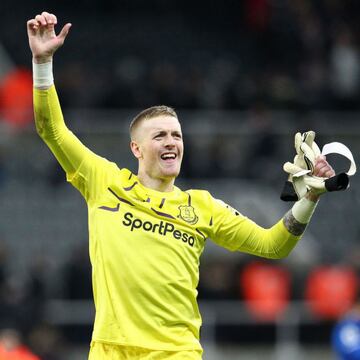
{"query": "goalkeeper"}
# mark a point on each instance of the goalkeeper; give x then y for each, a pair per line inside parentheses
(145, 234)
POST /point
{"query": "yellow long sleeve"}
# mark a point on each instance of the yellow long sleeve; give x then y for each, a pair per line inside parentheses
(76, 159)
(50, 125)
(236, 232)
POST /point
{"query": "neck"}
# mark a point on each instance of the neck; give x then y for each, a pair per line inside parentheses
(164, 185)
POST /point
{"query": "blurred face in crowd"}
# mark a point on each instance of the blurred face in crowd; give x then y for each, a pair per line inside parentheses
(158, 145)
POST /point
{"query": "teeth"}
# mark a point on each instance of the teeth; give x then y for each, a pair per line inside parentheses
(168, 156)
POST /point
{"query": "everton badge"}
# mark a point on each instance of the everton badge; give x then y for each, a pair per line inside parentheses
(187, 213)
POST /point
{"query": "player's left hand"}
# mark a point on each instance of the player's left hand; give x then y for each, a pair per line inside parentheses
(310, 174)
(323, 168)
(316, 183)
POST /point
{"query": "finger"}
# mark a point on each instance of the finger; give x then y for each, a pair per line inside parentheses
(321, 157)
(41, 20)
(316, 149)
(48, 17)
(54, 18)
(320, 161)
(321, 166)
(321, 172)
(308, 137)
(320, 169)
(298, 141)
(308, 151)
(291, 168)
(326, 171)
(330, 173)
(299, 161)
(32, 26)
(32, 22)
(64, 31)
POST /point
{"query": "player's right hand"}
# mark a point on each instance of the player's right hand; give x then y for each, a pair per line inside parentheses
(42, 38)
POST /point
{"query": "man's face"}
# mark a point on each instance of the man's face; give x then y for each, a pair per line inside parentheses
(159, 147)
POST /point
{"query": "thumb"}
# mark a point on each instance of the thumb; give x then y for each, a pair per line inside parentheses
(64, 32)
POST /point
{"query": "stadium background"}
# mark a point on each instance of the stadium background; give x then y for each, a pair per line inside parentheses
(244, 76)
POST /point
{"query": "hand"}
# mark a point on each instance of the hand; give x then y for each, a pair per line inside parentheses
(321, 169)
(307, 152)
(309, 171)
(42, 38)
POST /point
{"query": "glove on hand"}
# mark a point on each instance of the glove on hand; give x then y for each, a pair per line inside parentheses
(301, 179)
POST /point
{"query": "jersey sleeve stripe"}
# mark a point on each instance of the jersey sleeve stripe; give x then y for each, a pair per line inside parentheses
(120, 198)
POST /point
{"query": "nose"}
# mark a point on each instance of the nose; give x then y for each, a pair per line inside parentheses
(169, 142)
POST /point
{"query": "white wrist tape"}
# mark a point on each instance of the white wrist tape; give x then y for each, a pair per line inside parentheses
(43, 75)
(303, 210)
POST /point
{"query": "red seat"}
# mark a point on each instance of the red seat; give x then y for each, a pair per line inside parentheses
(19, 353)
(266, 289)
(331, 291)
(16, 98)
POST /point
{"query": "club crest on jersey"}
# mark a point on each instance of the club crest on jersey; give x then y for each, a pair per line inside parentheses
(187, 213)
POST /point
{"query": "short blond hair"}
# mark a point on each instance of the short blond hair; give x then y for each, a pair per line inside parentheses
(149, 113)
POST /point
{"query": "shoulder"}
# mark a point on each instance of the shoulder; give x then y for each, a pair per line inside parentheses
(107, 169)
(199, 195)
(112, 167)
(125, 173)
(207, 199)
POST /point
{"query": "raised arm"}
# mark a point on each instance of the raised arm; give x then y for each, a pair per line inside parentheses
(77, 160)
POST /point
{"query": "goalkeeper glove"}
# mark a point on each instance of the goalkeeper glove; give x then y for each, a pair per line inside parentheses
(301, 179)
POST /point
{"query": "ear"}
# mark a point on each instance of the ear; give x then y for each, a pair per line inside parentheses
(135, 148)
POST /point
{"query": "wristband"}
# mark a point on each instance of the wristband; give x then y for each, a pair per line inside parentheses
(43, 75)
(303, 210)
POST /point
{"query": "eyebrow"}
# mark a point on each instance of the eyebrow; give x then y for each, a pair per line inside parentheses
(164, 132)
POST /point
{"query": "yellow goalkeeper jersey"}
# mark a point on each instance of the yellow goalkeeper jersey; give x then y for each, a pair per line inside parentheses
(145, 245)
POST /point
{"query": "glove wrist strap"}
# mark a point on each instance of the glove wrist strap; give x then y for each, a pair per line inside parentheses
(303, 210)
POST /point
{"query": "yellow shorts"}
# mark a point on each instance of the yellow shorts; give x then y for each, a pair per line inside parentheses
(102, 351)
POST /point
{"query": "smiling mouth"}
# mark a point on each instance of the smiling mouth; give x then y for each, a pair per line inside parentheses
(168, 156)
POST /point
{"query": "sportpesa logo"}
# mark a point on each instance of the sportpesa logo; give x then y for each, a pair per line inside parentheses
(162, 228)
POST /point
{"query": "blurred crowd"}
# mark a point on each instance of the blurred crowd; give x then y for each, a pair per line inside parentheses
(288, 54)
